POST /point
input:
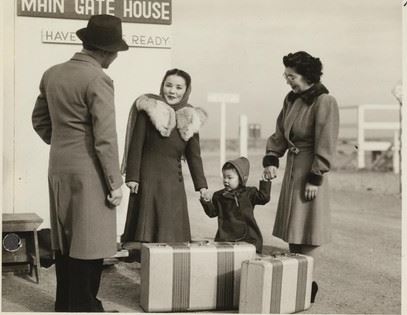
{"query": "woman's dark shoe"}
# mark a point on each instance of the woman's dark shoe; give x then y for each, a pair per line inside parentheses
(314, 291)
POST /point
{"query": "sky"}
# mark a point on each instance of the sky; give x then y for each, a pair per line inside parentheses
(236, 46)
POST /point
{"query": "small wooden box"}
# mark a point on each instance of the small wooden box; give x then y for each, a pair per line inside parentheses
(21, 228)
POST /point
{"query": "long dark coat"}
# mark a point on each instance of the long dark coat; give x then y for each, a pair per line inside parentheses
(159, 211)
(307, 128)
(75, 114)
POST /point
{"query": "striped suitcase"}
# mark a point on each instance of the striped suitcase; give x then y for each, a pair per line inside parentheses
(276, 284)
(192, 276)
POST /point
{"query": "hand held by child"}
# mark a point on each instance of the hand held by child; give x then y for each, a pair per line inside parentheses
(205, 195)
(270, 172)
(264, 178)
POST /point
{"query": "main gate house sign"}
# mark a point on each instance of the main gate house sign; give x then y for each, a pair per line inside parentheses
(131, 11)
(135, 11)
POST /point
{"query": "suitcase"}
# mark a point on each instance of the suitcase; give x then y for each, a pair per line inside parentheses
(276, 284)
(192, 276)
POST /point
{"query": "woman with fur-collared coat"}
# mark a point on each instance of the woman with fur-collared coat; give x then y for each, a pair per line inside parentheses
(307, 129)
(164, 130)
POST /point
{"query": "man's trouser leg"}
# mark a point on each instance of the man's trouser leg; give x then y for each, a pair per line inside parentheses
(85, 281)
(63, 282)
(96, 276)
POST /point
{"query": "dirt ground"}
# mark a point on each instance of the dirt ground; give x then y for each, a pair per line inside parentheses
(358, 272)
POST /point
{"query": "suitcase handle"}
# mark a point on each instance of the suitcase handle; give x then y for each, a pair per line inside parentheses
(160, 244)
(199, 243)
(275, 255)
(188, 244)
(284, 254)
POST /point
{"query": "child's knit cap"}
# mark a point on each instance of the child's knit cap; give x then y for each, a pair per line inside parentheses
(242, 167)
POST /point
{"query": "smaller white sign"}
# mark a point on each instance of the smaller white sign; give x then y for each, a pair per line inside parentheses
(223, 98)
(140, 40)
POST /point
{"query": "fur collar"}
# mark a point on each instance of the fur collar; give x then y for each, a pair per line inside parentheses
(309, 95)
(188, 119)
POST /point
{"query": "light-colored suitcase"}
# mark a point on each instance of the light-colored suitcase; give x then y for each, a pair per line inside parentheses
(192, 276)
(276, 284)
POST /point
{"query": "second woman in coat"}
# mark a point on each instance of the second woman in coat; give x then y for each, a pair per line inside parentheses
(307, 128)
(161, 130)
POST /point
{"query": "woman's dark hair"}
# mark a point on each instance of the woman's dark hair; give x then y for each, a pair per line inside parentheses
(304, 64)
(180, 73)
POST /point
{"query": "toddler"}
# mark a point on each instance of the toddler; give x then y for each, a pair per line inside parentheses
(234, 204)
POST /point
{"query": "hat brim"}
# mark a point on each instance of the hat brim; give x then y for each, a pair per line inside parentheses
(118, 46)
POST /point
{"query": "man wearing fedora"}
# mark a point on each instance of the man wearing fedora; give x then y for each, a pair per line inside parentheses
(75, 114)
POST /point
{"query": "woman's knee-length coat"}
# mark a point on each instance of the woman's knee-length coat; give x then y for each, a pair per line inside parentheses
(75, 114)
(161, 136)
(307, 129)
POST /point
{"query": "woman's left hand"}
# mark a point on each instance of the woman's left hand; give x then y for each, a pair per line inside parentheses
(205, 195)
(310, 191)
